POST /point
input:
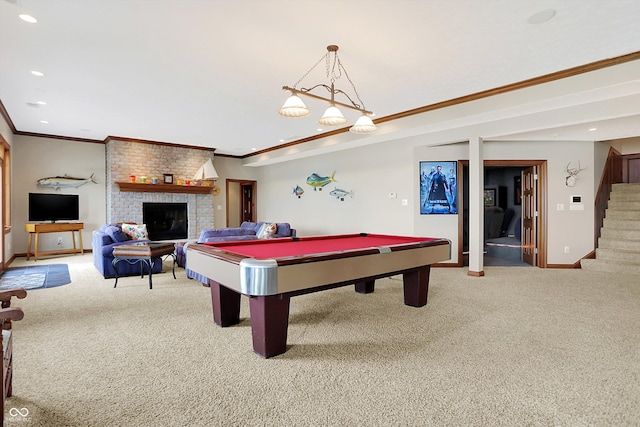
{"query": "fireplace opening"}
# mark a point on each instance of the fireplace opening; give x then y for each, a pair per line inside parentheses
(165, 221)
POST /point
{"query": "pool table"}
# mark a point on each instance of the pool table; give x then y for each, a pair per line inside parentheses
(272, 271)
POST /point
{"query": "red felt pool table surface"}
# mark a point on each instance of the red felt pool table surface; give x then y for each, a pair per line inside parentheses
(292, 247)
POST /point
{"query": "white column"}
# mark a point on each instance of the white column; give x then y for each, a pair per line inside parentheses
(476, 207)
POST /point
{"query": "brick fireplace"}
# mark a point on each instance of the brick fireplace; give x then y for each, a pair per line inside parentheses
(127, 157)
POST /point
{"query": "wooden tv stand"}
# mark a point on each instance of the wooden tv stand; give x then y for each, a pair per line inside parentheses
(56, 227)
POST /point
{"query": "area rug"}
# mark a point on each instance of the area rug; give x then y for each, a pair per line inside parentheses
(35, 277)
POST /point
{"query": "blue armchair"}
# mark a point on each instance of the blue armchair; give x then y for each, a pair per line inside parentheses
(102, 243)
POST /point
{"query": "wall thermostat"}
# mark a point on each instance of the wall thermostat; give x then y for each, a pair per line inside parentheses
(576, 203)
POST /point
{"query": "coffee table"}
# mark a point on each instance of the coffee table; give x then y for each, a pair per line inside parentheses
(146, 253)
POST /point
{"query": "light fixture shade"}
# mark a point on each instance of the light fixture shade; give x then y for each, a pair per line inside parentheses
(363, 125)
(294, 107)
(332, 117)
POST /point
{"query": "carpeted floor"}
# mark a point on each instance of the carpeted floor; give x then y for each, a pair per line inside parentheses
(519, 346)
(35, 277)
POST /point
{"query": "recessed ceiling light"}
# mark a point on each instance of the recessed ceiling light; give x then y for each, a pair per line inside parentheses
(319, 129)
(254, 149)
(540, 17)
(28, 18)
(37, 73)
(44, 121)
(592, 129)
(282, 140)
(41, 103)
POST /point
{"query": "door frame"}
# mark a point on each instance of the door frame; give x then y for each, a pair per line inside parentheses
(230, 200)
(542, 203)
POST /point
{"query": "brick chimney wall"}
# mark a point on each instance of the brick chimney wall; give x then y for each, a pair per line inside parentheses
(125, 158)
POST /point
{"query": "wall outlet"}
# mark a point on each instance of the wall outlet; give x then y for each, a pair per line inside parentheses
(567, 249)
(59, 241)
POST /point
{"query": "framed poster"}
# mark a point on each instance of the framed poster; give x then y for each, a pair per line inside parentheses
(489, 196)
(438, 188)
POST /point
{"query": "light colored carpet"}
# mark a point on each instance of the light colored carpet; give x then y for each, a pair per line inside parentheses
(517, 347)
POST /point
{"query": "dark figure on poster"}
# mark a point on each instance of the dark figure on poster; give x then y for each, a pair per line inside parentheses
(439, 188)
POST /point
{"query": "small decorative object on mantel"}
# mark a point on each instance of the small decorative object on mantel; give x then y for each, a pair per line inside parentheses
(132, 178)
(206, 174)
(143, 179)
(154, 180)
(168, 178)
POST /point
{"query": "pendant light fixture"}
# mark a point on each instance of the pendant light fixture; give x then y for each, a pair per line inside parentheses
(295, 107)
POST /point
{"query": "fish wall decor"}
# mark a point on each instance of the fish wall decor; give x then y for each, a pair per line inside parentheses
(340, 194)
(298, 191)
(317, 181)
(66, 181)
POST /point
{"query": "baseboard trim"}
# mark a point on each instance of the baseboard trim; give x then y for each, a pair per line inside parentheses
(475, 273)
(576, 265)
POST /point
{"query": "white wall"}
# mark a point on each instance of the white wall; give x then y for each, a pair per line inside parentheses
(375, 171)
(228, 167)
(630, 146)
(371, 173)
(34, 158)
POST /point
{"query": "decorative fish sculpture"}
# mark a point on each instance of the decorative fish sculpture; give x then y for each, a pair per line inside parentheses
(66, 181)
(340, 194)
(298, 191)
(317, 181)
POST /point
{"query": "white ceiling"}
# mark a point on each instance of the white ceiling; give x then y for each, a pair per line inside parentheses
(210, 73)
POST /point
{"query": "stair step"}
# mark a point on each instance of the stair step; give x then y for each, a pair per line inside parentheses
(626, 188)
(618, 214)
(621, 234)
(618, 255)
(625, 196)
(618, 249)
(625, 245)
(623, 224)
(624, 205)
(610, 266)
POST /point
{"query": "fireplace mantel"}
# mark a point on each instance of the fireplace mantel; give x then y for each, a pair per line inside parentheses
(163, 188)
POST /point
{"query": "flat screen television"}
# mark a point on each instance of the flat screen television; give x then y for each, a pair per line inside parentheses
(53, 207)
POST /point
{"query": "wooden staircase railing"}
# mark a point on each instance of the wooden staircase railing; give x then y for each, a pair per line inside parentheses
(612, 174)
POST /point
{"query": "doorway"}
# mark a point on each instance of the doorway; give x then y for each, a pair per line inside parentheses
(515, 221)
(241, 201)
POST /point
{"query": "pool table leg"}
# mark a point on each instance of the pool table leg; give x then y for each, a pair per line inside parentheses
(365, 287)
(416, 286)
(225, 303)
(269, 323)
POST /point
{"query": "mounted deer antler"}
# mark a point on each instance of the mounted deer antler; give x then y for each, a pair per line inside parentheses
(570, 180)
